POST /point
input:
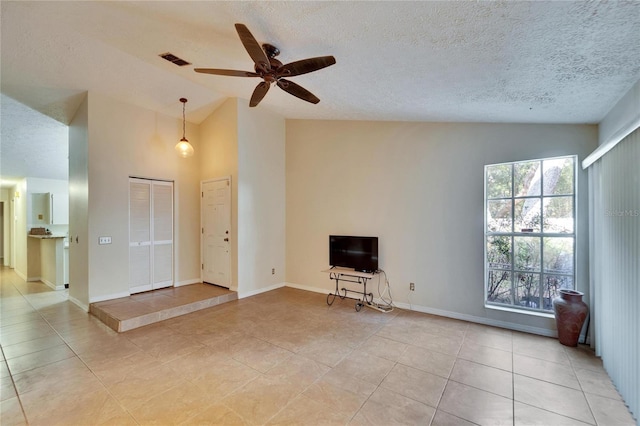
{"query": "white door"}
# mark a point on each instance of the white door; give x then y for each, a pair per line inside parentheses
(150, 235)
(216, 227)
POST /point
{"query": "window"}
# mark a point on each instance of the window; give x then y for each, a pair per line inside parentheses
(529, 232)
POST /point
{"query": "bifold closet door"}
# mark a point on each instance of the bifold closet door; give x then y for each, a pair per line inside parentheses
(150, 235)
(162, 217)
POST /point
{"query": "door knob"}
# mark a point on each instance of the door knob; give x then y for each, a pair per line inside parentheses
(226, 239)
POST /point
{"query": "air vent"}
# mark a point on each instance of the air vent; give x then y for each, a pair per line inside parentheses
(174, 59)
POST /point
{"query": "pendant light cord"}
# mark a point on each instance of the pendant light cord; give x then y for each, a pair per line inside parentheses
(184, 103)
(183, 147)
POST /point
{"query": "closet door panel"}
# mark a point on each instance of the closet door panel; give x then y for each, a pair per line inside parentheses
(139, 268)
(162, 262)
(162, 234)
(162, 212)
(139, 212)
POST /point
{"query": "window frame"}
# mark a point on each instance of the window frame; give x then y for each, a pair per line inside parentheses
(540, 235)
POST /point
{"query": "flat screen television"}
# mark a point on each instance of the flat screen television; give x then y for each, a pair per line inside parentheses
(359, 253)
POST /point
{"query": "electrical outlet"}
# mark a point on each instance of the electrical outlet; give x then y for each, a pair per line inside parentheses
(412, 286)
(273, 271)
(104, 240)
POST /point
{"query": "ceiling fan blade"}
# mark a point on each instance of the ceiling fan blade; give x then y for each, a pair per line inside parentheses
(297, 91)
(232, 73)
(253, 48)
(258, 93)
(306, 65)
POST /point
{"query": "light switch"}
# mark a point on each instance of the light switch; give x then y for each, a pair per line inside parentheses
(104, 240)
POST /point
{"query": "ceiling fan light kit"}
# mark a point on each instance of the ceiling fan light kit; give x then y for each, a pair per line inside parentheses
(183, 147)
(271, 70)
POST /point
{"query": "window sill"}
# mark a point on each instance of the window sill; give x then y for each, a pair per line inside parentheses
(520, 311)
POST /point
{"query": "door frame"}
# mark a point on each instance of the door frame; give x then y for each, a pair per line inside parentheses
(218, 179)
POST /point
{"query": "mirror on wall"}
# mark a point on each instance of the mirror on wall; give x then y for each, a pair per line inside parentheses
(41, 208)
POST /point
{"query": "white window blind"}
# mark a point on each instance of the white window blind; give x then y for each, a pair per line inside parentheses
(615, 265)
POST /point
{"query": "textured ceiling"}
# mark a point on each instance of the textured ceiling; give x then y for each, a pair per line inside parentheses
(525, 62)
(26, 129)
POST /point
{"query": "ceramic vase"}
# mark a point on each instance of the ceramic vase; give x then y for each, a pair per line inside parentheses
(570, 313)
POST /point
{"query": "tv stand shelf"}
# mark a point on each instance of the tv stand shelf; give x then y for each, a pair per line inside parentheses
(349, 275)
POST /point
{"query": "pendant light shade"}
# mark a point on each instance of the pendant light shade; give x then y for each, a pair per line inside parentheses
(183, 147)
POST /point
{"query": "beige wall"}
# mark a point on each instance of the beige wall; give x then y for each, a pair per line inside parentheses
(79, 206)
(419, 188)
(109, 142)
(248, 145)
(218, 157)
(261, 199)
(6, 225)
(20, 232)
(124, 141)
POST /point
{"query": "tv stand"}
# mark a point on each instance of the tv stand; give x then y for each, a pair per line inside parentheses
(349, 275)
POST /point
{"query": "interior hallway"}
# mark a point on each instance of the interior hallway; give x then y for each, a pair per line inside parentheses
(285, 357)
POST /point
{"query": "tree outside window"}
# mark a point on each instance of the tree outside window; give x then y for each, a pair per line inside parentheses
(529, 232)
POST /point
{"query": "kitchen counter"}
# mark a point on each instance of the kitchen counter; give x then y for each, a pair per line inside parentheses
(46, 237)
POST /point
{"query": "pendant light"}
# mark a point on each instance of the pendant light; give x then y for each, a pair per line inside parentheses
(183, 147)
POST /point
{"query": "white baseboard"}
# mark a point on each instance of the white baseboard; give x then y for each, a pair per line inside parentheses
(52, 285)
(478, 320)
(448, 314)
(33, 279)
(242, 295)
(109, 297)
(79, 304)
(187, 282)
(308, 288)
(20, 274)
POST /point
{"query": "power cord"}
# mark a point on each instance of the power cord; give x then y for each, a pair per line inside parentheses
(387, 290)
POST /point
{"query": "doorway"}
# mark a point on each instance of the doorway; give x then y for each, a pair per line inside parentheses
(216, 226)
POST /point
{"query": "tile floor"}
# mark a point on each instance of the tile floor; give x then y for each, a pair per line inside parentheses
(285, 357)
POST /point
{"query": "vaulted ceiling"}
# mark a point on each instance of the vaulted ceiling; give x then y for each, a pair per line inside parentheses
(525, 62)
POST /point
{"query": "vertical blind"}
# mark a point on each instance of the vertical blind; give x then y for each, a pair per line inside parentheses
(615, 265)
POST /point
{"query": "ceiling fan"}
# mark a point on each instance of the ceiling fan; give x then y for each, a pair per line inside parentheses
(272, 70)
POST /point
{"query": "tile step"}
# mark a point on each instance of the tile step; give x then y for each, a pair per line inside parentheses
(142, 309)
